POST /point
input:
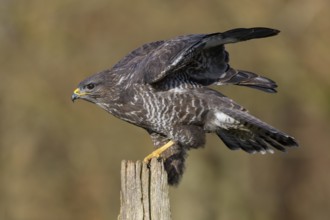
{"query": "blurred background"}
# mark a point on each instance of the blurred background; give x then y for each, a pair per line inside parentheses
(60, 160)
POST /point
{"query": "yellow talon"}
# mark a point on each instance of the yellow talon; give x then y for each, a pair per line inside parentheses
(158, 152)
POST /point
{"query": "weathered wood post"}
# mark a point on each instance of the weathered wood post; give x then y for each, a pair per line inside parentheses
(144, 191)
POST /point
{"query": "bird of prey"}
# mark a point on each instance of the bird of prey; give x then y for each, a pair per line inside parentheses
(163, 87)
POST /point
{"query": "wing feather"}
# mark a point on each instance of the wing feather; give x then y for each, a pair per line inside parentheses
(200, 58)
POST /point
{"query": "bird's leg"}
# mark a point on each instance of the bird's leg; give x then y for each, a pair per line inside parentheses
(158, 152)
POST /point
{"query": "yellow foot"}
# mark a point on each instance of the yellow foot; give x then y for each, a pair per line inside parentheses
(158, 152)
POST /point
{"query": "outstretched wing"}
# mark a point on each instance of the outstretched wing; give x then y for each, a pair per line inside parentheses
(204, 59)
(240, 130)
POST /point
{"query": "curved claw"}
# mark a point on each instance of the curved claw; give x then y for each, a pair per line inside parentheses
(158, 152)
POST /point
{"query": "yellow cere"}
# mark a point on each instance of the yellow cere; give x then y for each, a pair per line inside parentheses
(78, 92)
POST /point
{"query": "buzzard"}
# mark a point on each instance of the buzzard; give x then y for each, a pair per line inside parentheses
(163, 87)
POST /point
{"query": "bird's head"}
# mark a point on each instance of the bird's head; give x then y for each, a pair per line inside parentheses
(93, 89)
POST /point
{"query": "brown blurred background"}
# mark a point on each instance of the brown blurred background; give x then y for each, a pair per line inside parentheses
(60, 160)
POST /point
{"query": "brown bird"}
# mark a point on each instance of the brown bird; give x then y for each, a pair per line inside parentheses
(162, 87)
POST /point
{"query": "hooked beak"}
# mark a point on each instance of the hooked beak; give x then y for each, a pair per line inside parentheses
(77, 94)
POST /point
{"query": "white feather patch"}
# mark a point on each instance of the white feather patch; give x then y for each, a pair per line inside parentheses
(224, 120)
(178, 90)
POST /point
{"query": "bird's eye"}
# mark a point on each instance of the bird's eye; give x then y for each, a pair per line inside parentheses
(90, 86)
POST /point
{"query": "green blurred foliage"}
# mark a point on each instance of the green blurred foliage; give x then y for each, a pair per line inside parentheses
(62, 161)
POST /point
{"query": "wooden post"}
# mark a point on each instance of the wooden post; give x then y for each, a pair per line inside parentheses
(144, 191)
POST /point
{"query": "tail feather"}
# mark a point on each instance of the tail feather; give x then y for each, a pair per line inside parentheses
(174, 163)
